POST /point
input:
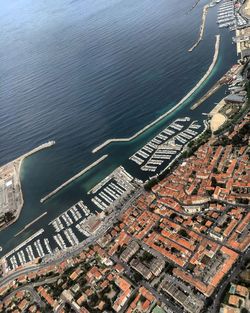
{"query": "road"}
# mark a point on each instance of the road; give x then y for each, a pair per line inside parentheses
(230, 277)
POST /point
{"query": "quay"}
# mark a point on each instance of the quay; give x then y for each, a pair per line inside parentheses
(188, 95)
(28, 225)
(202, 27)
(86, 169)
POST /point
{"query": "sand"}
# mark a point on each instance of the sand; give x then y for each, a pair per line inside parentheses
(217, 121)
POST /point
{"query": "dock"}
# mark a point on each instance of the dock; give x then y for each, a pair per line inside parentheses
(86, 169)
(188, 95)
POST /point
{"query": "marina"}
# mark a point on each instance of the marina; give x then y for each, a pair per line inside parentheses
(167, 145)
(228, 16)
(113, 189)
(63, 232)
(79, 151)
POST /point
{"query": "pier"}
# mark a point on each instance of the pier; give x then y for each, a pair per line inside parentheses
(188, 95)
(207, 95)
(202, 27)
(222, 81)
(31, 223)
(86, 169)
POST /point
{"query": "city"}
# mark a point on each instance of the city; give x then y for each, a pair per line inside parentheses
(176, 240)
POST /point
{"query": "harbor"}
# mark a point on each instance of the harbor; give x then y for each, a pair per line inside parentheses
(79, 222)
(119, 154)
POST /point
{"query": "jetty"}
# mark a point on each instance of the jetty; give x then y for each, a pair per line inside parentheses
(188, 95)
(31, 223)
(226, 78)
(86, 169)
(202, 27)
(207, 95)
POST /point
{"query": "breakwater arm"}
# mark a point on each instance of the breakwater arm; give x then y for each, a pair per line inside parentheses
(202, 27)
(10, 173)
(188, 95)
(194, 5)
(86, 169)
(215, 87)
(41, 147)
(31, 223)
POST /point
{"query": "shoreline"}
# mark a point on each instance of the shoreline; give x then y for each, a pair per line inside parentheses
(188, 95)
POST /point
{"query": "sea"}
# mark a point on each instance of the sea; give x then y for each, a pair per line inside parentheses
(83, 71)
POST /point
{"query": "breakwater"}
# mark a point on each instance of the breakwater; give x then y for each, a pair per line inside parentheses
(202, 27)
(73, 178)
(194, 5)
(189, 94)
(28, 225)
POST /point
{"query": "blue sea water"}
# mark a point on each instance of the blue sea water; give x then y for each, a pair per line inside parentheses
(83, 71)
